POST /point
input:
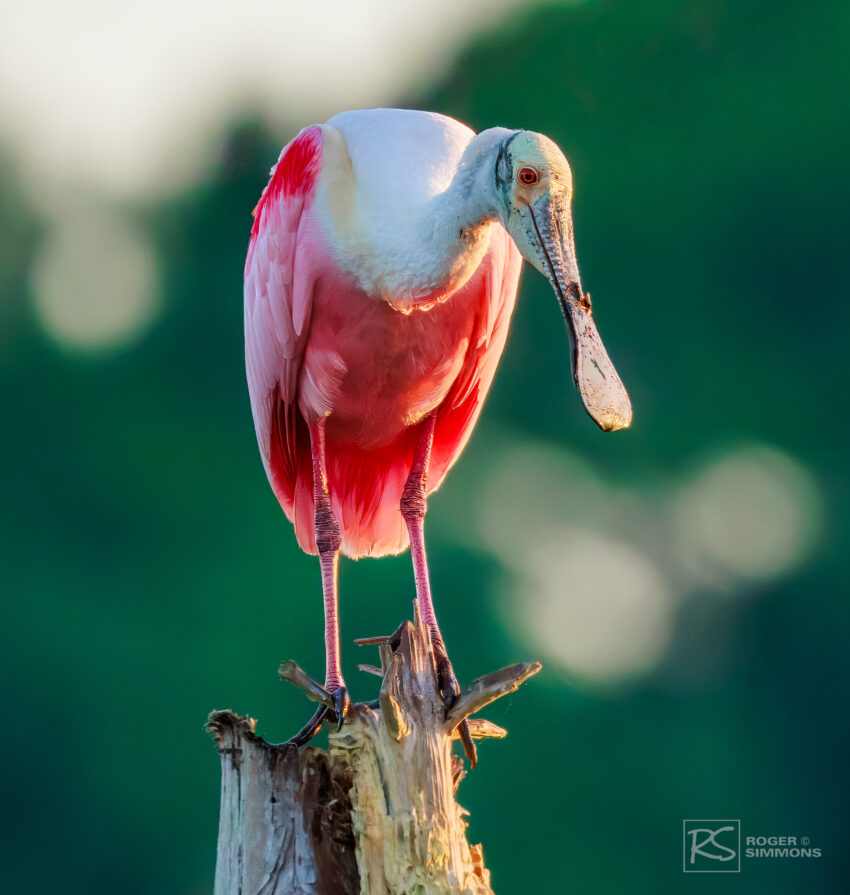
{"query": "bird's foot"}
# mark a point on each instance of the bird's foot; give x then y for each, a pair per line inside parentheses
(341, 705)
(323, 714)
(450, 690)
(446, 681)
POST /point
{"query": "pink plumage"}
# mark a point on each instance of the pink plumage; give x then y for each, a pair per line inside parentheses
(318, 343)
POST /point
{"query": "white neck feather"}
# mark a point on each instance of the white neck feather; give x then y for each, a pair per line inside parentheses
(409, 246)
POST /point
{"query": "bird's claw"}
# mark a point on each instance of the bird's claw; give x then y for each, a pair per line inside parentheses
(450, 690)
(447, 682)
(322, 714)
(341, 705)
(311, 728)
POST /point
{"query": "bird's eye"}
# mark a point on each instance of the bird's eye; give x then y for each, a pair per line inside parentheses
(527, 176)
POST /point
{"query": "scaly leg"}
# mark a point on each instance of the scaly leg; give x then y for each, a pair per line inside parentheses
(413, 507)
(327, 543)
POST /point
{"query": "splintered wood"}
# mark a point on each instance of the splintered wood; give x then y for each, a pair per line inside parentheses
(376, 812)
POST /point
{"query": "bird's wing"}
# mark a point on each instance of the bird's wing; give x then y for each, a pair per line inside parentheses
(277, 308)
(457, 415)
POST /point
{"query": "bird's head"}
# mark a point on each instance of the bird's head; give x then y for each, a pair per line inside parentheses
(534, 189)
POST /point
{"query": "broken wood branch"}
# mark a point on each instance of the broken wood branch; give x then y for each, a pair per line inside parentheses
(487, 689)
(375, 813)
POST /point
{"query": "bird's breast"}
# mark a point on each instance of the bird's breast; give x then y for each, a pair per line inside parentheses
(372, 370)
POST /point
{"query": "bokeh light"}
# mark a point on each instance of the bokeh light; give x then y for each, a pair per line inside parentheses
(594, 606)
(598, 570)
(94, 281)
(753, 512)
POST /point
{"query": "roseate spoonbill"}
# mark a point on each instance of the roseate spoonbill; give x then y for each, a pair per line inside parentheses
(381, 275)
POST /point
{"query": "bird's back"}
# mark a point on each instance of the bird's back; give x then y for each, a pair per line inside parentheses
(402, 155)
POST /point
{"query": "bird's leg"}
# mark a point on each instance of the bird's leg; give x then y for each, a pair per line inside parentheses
(413, 507)
(327, 543)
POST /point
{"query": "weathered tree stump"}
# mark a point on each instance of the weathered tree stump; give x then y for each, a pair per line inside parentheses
(376, 812)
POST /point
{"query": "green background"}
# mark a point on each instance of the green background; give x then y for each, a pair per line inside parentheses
(149, 576)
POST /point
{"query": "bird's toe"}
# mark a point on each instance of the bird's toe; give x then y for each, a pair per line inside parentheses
(311, 728)
(450, 690)
(447, 683)
(341, 705)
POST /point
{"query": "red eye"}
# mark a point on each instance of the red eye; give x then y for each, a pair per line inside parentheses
(527, 176)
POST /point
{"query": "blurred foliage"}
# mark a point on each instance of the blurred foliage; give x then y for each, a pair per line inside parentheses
(150, 577)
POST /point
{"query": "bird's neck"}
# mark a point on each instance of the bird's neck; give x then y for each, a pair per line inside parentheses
(412, 254)
(451, 236)
(452, 232)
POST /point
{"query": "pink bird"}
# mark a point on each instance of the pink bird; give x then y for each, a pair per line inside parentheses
(380, 280)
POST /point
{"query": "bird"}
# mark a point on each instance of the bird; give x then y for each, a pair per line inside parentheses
(381, 275)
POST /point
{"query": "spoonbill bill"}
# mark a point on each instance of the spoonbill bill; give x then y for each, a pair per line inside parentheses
(380, 280)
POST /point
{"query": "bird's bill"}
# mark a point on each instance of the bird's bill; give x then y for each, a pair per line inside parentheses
(548, 243)
(602, 391)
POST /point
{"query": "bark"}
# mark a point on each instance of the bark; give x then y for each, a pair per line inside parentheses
(375, 813)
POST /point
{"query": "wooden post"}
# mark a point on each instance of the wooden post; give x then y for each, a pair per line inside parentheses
(376, 812)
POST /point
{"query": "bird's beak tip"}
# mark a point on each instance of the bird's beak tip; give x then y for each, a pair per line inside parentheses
(613, 421)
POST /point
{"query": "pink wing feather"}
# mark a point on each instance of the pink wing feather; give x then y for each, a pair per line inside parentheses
(277, 312)
(459, 412)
